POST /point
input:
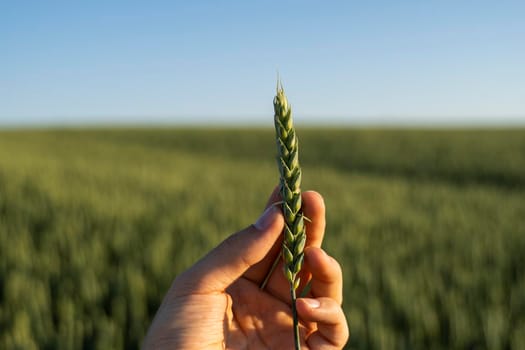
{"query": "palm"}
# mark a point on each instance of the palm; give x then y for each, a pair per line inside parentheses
(243, 316)
(258, 319)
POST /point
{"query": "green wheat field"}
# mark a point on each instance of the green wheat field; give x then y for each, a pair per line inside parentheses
(429, 226)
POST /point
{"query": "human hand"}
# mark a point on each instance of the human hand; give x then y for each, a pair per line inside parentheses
(217, 303)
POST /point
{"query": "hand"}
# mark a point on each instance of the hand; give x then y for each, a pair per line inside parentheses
(217, 303)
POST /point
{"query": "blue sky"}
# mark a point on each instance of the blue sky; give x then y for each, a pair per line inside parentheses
(353, 62)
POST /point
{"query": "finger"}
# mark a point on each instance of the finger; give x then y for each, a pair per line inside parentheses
(327, 276)
(332, 329)
(230, 259)
(314, 209)
(258, 272)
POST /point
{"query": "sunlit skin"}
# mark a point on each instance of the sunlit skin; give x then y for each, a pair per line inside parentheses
(218, 304)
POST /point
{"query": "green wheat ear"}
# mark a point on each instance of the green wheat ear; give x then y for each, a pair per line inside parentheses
(290, 181)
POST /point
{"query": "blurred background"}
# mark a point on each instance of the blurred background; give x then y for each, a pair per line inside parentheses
(135, 136)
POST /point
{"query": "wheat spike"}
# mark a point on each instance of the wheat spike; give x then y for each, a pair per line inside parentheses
(290, 181)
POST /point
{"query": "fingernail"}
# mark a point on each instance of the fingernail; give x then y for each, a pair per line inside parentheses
(266, 219)
(313, 303)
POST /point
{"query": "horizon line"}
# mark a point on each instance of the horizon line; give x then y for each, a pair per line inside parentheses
(262, 120)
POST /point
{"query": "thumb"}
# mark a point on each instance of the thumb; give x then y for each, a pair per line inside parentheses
(230, 259)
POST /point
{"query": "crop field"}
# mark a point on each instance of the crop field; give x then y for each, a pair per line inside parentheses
(429, 226)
